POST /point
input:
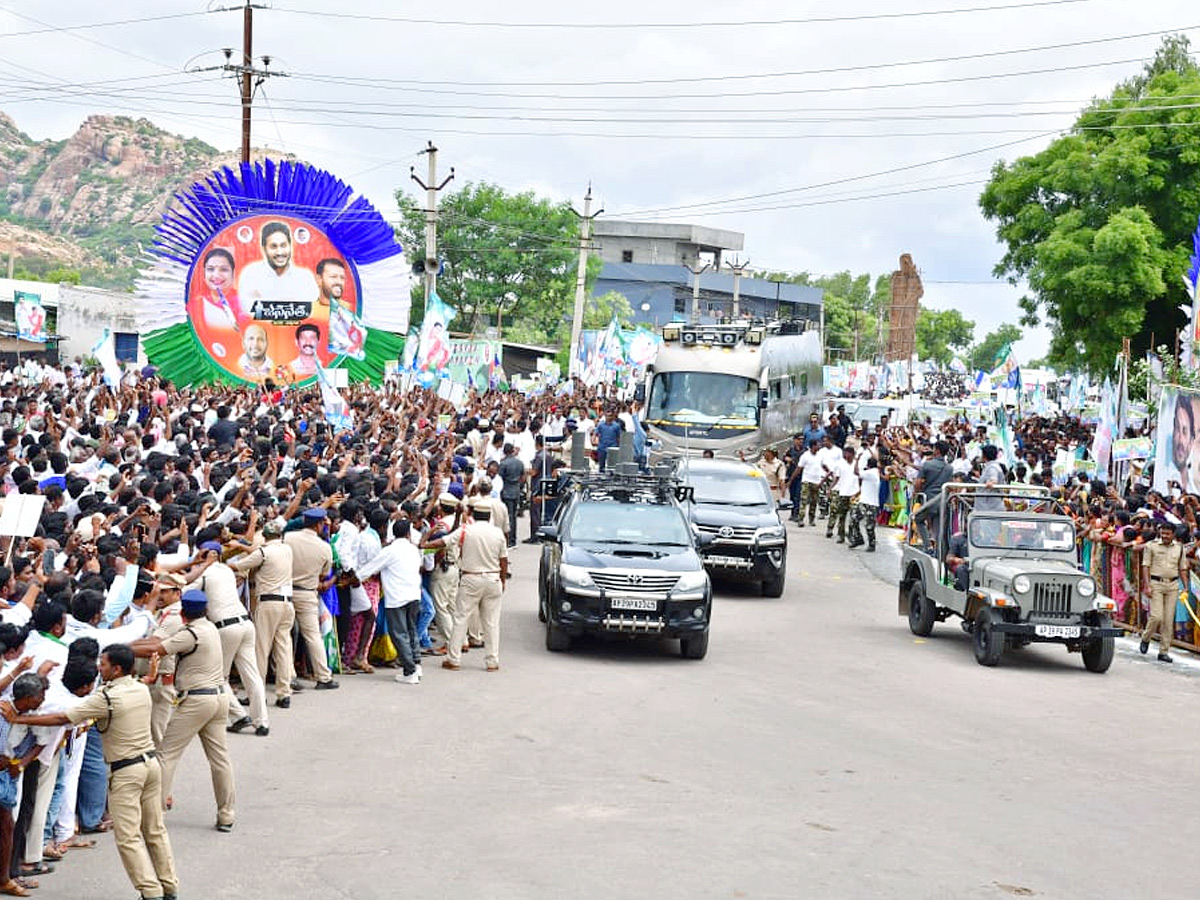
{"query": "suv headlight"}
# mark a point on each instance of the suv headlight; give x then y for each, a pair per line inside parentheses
(1086, 587)
(575, 578)
(691, 583)
(1022, 584)
(770, 534)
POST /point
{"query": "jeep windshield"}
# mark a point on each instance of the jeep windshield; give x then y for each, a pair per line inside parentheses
(629, 523)
(728, 490)
(1022, 534)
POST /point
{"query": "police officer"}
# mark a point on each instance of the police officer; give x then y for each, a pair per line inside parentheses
(203, 703)
(271, 566)
(167, 622)
(121, 710)
(1163, 567)
(443, 580)
(312, 561)
(483, 564)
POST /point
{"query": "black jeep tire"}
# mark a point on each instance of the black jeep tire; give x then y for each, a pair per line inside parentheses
(773, 587)
(1098, 653)
(922, 612)
(988, 643)
(694, 647)
(557, 639)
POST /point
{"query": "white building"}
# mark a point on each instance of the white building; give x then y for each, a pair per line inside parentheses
(79, 315)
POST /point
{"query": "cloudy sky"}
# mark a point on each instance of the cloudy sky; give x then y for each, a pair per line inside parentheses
(834, 135)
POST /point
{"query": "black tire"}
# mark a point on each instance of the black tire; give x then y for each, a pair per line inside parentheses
(988, 643)
(695, 647)
(542, 590)
(557, 640)
(922, 612)
(542, 609)
(1098, 654)
(773, 587)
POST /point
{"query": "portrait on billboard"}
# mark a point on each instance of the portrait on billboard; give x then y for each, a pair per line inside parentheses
(262, 296)
(1176, 447)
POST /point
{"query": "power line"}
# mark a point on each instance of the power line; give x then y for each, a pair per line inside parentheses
(49, 29)
(832, 70)
(612, 26)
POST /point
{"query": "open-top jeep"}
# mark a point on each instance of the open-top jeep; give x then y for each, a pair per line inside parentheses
(1014, 578)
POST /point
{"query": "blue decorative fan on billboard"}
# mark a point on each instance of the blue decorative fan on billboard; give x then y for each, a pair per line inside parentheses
(273, 270)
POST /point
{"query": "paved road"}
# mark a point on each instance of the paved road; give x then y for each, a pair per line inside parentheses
(819, 751)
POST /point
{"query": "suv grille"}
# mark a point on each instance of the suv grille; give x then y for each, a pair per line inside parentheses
(1052, 600)
(727, 532)
(629, 583)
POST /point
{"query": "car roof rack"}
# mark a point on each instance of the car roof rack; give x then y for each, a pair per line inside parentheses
(625, 483)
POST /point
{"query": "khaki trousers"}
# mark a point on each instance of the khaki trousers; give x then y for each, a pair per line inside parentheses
(478, 595)
(1163, 597)
(307, 616)
(444, 587)
(273, 640)
(237, 648)
(135, 804)
(204, 715)
(162, 696)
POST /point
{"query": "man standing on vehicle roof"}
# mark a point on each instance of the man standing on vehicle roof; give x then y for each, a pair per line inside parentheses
(933, 474)
(1162, 565)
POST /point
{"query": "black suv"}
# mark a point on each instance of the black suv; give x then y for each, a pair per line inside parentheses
(733, 513)
(620, 560)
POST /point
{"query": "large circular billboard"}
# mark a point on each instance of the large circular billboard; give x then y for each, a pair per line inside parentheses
(262, 294)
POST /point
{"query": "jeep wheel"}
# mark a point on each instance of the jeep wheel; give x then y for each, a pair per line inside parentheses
(989, 643)
(773, 587)
(542, 609)
(557, 640)
(694, 647)
(922, 612)
(1098, 654)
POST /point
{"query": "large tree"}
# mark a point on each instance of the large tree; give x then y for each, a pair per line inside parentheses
(1099, 223)
(509, 258)
(940, 332)
(853, 310)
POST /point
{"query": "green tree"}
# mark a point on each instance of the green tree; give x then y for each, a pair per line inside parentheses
(939, 330)
(507, 256)
(853, 310)
(983, 354)
(600, 310)
(1099, 223)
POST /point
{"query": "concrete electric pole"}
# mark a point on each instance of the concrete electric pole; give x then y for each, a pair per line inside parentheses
(696, 290)
(738, 269)
(430, 267)
(585, 232)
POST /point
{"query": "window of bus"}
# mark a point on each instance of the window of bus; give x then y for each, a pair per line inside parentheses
(704, 400)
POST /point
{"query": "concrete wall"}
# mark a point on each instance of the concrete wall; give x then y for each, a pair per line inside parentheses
(84, 313)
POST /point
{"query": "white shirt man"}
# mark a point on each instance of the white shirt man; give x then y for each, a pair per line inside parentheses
(812, 471)
(260, 281)
(399, 568)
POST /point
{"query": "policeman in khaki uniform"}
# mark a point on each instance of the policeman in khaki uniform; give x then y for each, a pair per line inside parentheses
(1163, 567)
(121, 711)
(443, 581)
(166, 623)
(202, 705)
(312, 561)
(271, 568)
(483, 564)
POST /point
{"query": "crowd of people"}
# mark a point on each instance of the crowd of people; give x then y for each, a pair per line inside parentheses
(855, 478)
(171, 555)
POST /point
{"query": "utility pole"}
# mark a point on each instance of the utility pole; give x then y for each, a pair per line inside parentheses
(739, 269)
(696, 290)
(585, 232)
(430, 267)
(250, 79)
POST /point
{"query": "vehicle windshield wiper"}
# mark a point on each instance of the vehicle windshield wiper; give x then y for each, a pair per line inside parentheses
(666, 544)
(608, 541)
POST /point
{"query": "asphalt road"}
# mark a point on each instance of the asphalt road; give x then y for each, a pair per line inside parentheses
(819, 751)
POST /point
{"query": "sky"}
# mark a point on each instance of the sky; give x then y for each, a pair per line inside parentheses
(833, 135)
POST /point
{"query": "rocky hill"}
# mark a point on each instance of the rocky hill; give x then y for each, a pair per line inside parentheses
(90, 203)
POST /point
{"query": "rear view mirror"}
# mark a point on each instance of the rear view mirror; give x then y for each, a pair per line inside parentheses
(548, 533)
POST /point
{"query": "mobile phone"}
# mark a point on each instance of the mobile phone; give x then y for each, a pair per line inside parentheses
(47, 562)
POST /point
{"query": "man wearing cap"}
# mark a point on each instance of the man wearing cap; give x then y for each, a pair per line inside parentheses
(483, 562)
(121, 711)
(270, 566)
(312, 562)
(443, 580)
(226, 612)
(203, 704)
(1164, 567)
(168, 621)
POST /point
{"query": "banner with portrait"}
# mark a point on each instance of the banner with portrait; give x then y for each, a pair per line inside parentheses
(1176, 449)
(271, 296)
(30, 316)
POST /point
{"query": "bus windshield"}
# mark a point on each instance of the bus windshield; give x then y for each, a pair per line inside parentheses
(707, 401)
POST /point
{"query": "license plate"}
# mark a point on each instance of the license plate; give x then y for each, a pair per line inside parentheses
(635, 604)
(731, 561)
(1056, 631)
